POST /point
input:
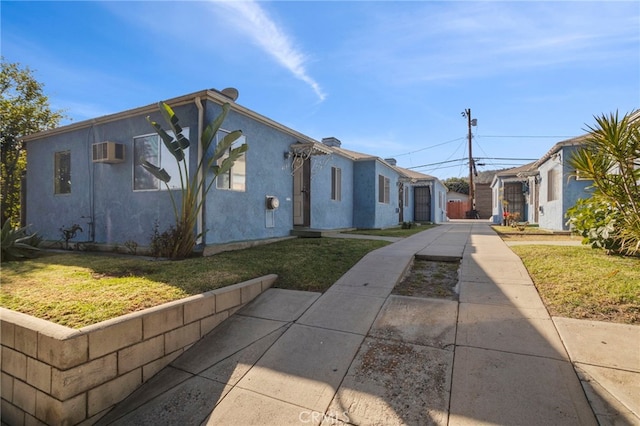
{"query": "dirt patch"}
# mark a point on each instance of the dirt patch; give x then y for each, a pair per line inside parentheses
(429, 278)
(395, 383)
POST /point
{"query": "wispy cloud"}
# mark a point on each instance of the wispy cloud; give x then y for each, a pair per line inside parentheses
(255, 22)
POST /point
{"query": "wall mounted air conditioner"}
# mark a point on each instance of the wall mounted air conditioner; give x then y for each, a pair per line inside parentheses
(108, 152)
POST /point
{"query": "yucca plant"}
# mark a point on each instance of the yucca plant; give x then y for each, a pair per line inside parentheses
(611, 158)
(191, 184)
(17, 244)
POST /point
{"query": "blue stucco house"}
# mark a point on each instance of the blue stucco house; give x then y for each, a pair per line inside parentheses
(541, 191)
(423, 198)
(88, 173)
(559, 188)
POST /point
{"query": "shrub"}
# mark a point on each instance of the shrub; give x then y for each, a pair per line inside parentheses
(597, 223)
(70, 233)
(17, 244)
(162, 244)
(131, 246)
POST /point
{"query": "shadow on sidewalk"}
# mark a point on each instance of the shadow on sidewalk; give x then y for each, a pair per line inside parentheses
(493, 357)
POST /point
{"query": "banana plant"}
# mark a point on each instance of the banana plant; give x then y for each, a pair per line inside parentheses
(192, 184)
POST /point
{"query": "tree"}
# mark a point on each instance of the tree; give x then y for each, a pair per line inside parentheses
(181, 236)
(457, 184)
(24, 109)
(611, 158)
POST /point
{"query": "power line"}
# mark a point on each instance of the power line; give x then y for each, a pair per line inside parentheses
(429, 147)
(453, 153)
(504, 158)
(525, 136)
(483, 151)
(474, 158)
(482, 136)
(439, 168)
(506, 164)
(438, 163)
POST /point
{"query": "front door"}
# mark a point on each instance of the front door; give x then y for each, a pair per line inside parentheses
(422, 204)
(514, 195)
(301, 192)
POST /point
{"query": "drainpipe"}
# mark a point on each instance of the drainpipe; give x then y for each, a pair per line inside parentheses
(200, 219)
(93, 131)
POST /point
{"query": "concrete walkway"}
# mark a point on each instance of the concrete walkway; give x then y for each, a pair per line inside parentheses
(359, 355)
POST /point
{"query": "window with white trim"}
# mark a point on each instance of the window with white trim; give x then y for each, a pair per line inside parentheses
(151, 148)
(336, 184)
(383, 189)
(234, 179)
(62, 171)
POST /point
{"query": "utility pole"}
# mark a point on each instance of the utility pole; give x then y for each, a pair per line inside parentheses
(472, 198)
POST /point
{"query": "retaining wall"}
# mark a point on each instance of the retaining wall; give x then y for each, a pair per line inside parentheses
(63, 376)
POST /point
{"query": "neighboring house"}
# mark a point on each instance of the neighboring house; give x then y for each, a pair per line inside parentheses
(542, 191)
(424, 197)
(559, 189)
(482, 193)
(511, 193)
(88, 173)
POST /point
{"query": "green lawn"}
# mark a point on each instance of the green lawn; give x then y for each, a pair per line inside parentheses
(78, 289)
(580, 282)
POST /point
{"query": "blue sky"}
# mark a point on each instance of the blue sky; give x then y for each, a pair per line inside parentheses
(386, 78)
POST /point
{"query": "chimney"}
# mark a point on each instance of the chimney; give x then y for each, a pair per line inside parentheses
(391, 161)
(331, 141)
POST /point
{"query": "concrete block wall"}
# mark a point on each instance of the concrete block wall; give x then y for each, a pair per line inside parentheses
(57, 375)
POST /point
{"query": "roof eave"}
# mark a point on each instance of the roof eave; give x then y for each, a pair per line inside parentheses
(579, 140)
(209, 94)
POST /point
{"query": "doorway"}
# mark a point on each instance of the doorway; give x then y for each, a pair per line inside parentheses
(302, 192)
(422, 204)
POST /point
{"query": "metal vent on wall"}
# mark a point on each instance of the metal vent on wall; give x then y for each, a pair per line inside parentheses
(108, 152)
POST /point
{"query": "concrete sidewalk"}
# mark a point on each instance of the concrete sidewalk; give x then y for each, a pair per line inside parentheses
(359, 355)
